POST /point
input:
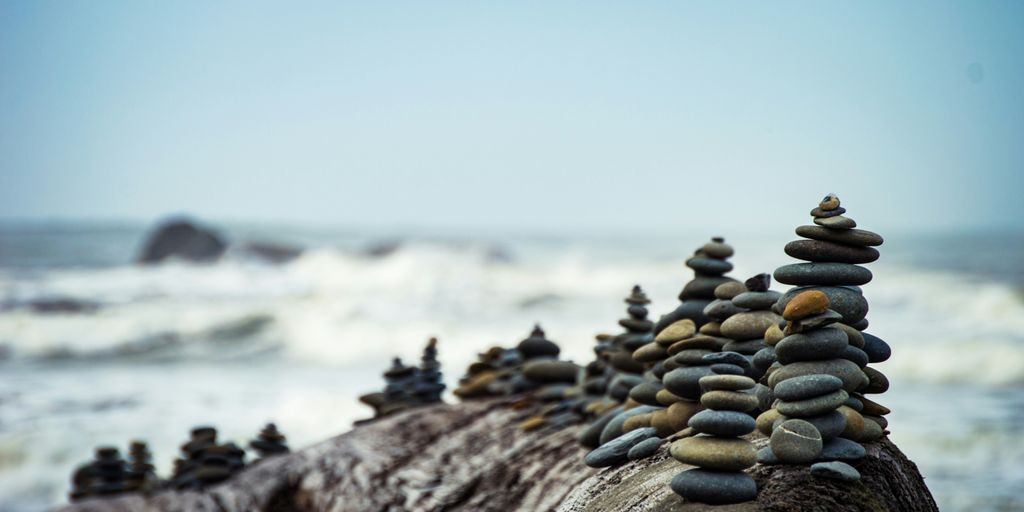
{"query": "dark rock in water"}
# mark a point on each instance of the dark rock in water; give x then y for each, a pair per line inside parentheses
(842, 449)
(848, 302)
(614, 427)
(844, 236)
(758, 283)
(645, 448)
(796, 442)
(877, 350)
(616, 451)
(756, 300)
(836, 471)
(183, 240)
(722, 423)
(824, 274)
(827, 343)
(807, 386)
(714, 487)
(822, 251)
(590, 436)
(271, 252)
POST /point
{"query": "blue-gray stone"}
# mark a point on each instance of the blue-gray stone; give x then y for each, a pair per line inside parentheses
(807, 386)
(815, 345)
(812, 406)
(756, 300)
(858, 356)
(767, 457)
(714, 487)
(590, 437)
(835, 471)
(823, 274)
(645, 448)
(685, 382)
(842, 449)
(616, 451)
(614, 427)
(747, 347)
(728, 358)
(876, 349)
(727, 369)
(764, 358)
(722, 423)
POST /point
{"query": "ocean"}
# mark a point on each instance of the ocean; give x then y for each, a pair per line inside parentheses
(95, 349)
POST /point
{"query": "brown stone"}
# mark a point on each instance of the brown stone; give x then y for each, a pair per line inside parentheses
(773, 335)
(635, 422)
(676, 331)
(666, 397)
(729, 401)
(811, 302)
(650, 353)
(716, 453)
(679, 414)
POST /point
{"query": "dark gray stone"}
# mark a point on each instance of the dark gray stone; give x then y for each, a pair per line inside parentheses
(685, 382)
(825, 274)
(709, 266)
(714, 487)
(795, 442)
(614, 427)
(645, 448)
(756, 300)
(807, 386)
(821, 251)
(703, 287)
(848, 302)
(590, 436)
(692, 309)
(720, 309)
(722, 423)
(842, 449)
(746, 347)
(877, 350)
(812, 406)
(852, 353)
(816, 345)
(849, 236)
(764, 358)
(616, 451)
(837, 222)
(830, 425)
(645, 393)
(727, 369)
(726, 357)
(835, 471)
(818, 212)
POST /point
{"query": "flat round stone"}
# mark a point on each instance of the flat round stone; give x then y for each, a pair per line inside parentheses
(722, 423)
(877, 381)
(811, 302)
(616, 451)
(835, 471)
(693, 310)
(764, 358)
(726, 383)
(714, 487)
(845, 236)
(824, 274)
(856, 355)
(822, 251)
(749, 325)
(710, 266)
(877, 350)
(645, 448)
(691, 357)
(756, 300)
(726, 291)
(702, 287)
(720, 309)
(837, 222)
(819, 212)
(853, 336)
(851, 375)
(795, 442)
(766, 421)
(650, 353)
(679, 414)
(646, 393)
(729, 401)
(685, 382)
(745, 347)
(848, 302)
(807, 386)
(614, 427)
(812, 406)
(726, 357)
(727, 369)
(827, 343)
(829, 317)
(590, 436)
(551, 371)
(717, 248)
(842, 449)
(699, 341)
(718, 453)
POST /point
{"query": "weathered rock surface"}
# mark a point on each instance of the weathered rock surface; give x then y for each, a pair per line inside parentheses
(472, 456)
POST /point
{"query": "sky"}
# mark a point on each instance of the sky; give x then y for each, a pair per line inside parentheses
(555, 116)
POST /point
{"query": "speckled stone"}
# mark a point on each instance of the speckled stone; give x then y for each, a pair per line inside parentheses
(729, 400)
(796, 442)
(807, 386)
(823, 274)
(726, 383)
(614, 427)
(851, 375)
(749, 325)
(676, 331)
(846, 236)
(812, 406)
(756, 300)
(822, 251)
(842, 449)
(830, 425)
(714, 487)
(717, 453)
(722, 423)
(816, 345)
(727, 291)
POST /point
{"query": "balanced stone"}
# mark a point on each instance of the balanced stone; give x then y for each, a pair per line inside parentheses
(727, 291)
(720, 309)
(722, 423)
(756, 300)
(748, 325)
(614, 428)
(847, 236)
(758, 283)
(717, 453)
(729, 400)
(676, 331)
(680, 413)
(726, 383)
(854, 337)
(717, 248)
(848, 302)
(795, 442)
(645, 448)
(812, 406)
(616, 451)
(646, 393)
(714, 487)
(711, 266)
(536, 345)
(806, 304)
(877, 350)
(837, 222)
(815, 345)
(823, 274)
(829, 203)
(546, 370)
(727, 369)
(829, 317)
(830, 425)
(818, 212)
(836, 471)
(807, 386)
(856, 355)
(842, 449)
(591, 435)
(745, 347)
(727, 358)
(851, 375)
(822, 251)
(685, 382)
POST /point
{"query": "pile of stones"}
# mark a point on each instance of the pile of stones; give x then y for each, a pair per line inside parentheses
(141, 475)
(407, 386)
(204, 462)
(107, 474)
(490, 374)
(269, 442)
(709, 264)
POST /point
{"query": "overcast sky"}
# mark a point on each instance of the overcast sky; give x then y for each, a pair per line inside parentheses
(534, 115)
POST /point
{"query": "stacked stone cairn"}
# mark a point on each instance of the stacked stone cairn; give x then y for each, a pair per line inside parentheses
(834, 250)
(205, 462)
(490, 374)
(430, 382)
(750, 319)
(107, 474)
(408, 386)
(550, 380)
(628, 371)
(709, 265)
(269, 442)
(141, 475)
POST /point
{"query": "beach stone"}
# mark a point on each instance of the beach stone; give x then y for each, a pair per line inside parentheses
(702, 287)
(722, 423)
(756, 300)
(616, 451)
(812, 322)
(726, 357)
(720, 309)
(711, 329)
(841, 449)
(830, 425)
(758, 283)
(853, 336)
(856, 355)
(811, 302)
(749, 325)
(710, 266)
(854, 402)
(726, 383)
(661, 423)
(650, 353)
(614, 428)
(727, 369)
(726, 291)
(825, 274)
(637, 325)
(847, 236)
(729, 401)
(766, 420)
(551, 371)
(877, 381)
(623, 361)
(837, 222)
(645, 448)
(745, 347)
(851, 375)
(691, 356)
(646, 392)
(679, 330)
(685, 382)
(818, 212)
(877, 350)
(700, 342)
(666, 397)
(860, 325)
(679, 414)
(714, 487)
(764, 395)
(767, 457)
(822, 251)
(717, 248)
(854, 423)
(848, 302)
(716, 453)
(691, 309)
(773, 335)
(590, 436)
(812, 406)
(835, 471)
(807, 386)
(827, 343)
(873, 431)
(872, 408)
(764, 358)
(880, 420)
(829, 203)
(796, 442)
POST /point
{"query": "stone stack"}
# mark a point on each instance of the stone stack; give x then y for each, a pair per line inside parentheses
(269, 442)
(107, 474)
(430, 382)
(811, 388)
(490, 375)
(834, 251)
(141, 475)
(205, 462)
(718, 451)
(709, 265)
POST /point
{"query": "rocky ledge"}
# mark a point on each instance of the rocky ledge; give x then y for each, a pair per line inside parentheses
(473, 456)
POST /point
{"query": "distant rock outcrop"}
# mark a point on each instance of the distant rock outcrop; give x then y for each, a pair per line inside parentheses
(182, 239)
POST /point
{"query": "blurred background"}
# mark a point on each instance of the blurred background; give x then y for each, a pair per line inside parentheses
(374, 174)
